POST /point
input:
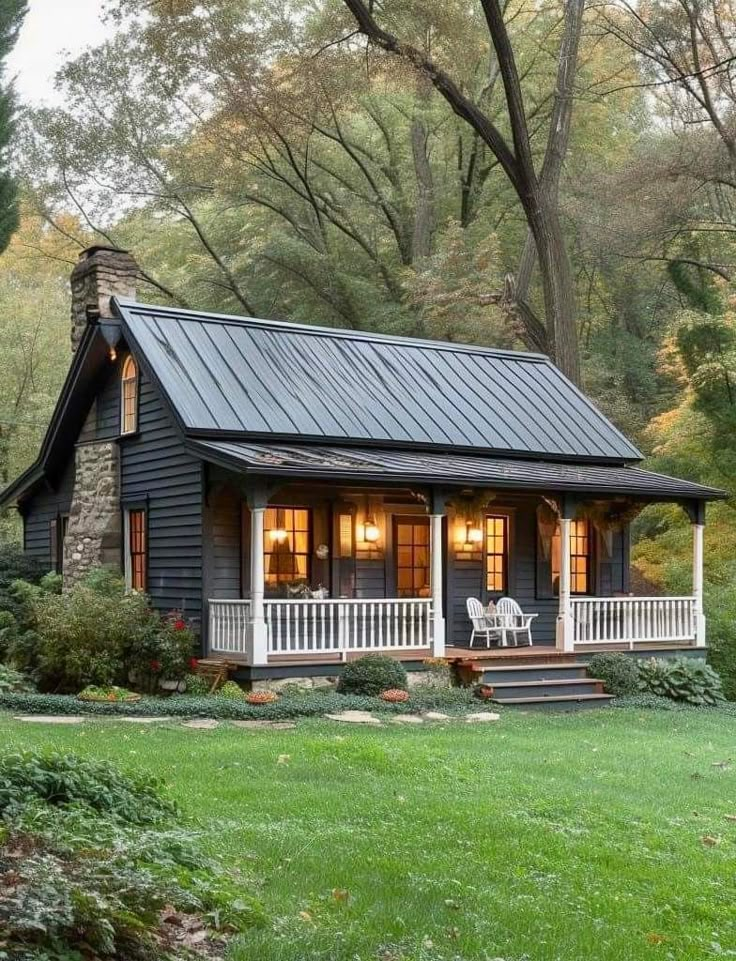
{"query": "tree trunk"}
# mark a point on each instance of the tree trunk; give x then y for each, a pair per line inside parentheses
(558, 287)
(424, 217)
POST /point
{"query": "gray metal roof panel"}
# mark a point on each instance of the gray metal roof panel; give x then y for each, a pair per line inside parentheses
(376, 465)
(235, 375)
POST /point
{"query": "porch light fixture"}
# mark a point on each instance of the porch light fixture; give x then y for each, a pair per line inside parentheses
(473, 535)
(371, 532)
(278, 535)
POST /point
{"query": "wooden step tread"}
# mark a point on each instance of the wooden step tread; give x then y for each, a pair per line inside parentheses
(556, 682)
(484, 666)
(554, 699)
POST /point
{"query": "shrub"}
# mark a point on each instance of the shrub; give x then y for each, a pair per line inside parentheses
(231, 691)
(372, 674)
(86, 636)
(681, 679)
(619, 673)
(197, 685)
(163, 651)
(721, 608)
(12, 681)
(64, 779)
(15, 565)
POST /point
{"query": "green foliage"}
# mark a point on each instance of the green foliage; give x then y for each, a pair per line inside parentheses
(231, 691)
(162, 651)
(14, 682)
(87, 637)
(106, 693)
(372, 674)
(305, 704)
(619, 673)
(681, 679)
(12, 14)
(721, 607)
(65, 779)
(697, 286)
(197, 685)
(95, 859)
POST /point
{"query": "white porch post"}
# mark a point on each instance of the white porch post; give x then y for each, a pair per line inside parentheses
(258, 640)
(436, 574)
(565, 627)
(698, 518)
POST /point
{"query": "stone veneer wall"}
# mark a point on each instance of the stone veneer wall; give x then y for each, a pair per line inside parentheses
(94, 534)
(100, 274)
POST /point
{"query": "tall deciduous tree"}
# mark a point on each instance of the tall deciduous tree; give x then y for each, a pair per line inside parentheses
(12, 13)
(537, 190)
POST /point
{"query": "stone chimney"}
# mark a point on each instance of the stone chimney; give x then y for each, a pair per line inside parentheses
(101, 273)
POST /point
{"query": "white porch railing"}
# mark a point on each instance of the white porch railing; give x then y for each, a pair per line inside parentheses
(631, 620)
(338, 626)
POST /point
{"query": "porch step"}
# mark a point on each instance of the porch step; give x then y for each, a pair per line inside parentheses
(561, 702)
(508, 691)
(569, 670)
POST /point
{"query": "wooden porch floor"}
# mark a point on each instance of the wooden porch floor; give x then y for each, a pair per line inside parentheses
(539, 654)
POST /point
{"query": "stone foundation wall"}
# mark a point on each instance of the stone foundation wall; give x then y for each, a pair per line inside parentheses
(94, 535)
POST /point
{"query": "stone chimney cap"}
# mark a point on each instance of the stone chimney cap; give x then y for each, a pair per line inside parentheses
(97, 248)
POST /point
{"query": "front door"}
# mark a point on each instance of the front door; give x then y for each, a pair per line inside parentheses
(411, 556)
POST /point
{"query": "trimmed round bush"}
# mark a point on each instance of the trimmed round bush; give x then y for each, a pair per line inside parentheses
(372, 675)
(619, 673)
(231, 691)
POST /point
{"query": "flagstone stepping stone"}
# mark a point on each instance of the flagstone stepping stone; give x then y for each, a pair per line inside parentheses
(50, 718)
(354, 717)
(142, 720)
(482, 717)
(436, 716)
(203, 723)
(407, 719)
(260, 725)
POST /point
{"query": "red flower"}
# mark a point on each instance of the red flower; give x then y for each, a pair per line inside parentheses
(193, 663)
(180, 625)
(155, 666)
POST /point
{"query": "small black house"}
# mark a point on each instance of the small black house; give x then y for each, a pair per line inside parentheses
(306, 494)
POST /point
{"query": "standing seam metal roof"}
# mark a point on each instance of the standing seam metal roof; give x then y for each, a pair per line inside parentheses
(291, 381)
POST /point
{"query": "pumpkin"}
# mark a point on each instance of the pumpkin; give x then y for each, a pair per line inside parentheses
(395, 696)
(262, 697)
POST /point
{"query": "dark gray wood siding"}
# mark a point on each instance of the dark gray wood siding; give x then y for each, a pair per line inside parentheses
(158, 473)
(41, 510)
(222, 536)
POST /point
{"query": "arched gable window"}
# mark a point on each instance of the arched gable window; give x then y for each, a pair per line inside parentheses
(129, 397)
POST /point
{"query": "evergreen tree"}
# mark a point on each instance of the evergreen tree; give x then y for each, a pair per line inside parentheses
(12, 13)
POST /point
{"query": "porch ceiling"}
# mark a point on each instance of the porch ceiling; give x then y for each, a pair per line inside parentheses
(377, 465)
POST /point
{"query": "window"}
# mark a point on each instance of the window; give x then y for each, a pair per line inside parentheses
(136, 550)
(411, 539)
(129, 397)
(497, 553)
(57, 535)
(580, 557)
(288, 532)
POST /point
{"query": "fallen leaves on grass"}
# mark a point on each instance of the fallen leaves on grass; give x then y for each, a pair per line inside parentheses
(710, 841)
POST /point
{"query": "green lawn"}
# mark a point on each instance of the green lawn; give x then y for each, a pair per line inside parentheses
(549, 838)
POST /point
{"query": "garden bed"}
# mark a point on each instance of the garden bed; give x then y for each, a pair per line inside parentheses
(453, 701)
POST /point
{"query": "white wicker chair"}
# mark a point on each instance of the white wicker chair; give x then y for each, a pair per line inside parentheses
(481, 620)
(510, 619)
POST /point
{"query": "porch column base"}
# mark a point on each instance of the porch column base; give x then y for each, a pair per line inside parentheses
(438, 637)
(258, 646)
(700, 629)
(565, 634)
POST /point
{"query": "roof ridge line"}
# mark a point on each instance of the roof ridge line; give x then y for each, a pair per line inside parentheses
(344, 333)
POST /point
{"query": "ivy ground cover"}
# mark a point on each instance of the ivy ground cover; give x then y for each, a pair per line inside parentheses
(603, 836)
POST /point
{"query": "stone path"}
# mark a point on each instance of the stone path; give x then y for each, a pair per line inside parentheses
(209, 724)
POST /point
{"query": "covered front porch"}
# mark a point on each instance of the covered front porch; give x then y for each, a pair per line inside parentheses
(300, 572)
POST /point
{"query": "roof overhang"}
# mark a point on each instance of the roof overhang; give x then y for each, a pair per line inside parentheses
(369, 465)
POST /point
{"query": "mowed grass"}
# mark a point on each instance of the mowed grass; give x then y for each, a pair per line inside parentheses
(598, 835)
